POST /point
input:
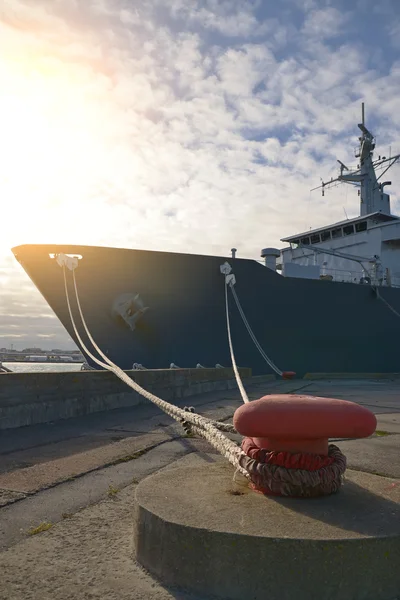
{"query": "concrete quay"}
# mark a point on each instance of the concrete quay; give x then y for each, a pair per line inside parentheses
(32, 398)
(80, 476)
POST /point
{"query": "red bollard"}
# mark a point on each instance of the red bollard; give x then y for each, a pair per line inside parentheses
(288, 436)
(288, 375)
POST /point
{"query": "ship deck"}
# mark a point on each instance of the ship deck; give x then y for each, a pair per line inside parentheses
(80, 475)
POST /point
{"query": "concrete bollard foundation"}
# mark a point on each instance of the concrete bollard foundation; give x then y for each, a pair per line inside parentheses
(197, 530)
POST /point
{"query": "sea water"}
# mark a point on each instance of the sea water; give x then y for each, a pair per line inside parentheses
(28, 367)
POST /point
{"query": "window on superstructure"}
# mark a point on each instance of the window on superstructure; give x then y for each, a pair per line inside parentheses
(315, 239)
(325, 235)
(305, 241)
(337, 233)
(361, 226)
(348, 230)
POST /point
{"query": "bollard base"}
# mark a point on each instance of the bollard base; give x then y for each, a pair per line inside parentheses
(197, 530)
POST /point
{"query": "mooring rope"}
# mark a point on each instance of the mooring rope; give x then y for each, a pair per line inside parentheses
(243, 393)
(385, 302)
(264, 475)
(297, 475)
(200, 425)
(253, 337)
(230, 280)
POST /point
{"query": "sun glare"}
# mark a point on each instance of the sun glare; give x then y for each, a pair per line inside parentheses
(50, 152)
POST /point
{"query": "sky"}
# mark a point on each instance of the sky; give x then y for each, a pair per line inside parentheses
(182, 125)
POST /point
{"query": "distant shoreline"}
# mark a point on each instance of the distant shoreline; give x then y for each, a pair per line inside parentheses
(45, 362)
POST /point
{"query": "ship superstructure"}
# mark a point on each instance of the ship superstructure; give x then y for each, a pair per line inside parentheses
(363, 250)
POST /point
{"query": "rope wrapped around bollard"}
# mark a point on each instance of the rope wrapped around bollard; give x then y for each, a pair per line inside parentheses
(300, 475)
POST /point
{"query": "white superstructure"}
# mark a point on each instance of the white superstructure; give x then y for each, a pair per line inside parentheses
(365, 249)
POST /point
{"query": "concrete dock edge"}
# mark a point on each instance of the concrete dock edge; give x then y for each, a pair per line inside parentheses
(32, 398)
(316, 376)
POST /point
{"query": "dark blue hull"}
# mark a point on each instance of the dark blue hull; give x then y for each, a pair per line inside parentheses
(303, 325)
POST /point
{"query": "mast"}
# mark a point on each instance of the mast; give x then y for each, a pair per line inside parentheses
(371, 192)
(371, 198)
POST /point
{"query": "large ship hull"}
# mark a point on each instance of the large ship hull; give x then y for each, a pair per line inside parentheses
(155, 308)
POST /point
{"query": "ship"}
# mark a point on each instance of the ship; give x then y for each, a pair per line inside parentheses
(327, 302)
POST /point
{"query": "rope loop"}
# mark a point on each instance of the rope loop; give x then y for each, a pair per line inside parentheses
(281, 473)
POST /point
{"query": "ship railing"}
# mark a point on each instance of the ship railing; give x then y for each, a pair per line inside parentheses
(346, 276)
(341, 275)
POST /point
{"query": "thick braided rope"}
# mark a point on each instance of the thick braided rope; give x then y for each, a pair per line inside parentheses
(280, 480)
(112, 366)
(297, 482)
(239, 382)
(223, 426)
(200, 424)
(227, 427)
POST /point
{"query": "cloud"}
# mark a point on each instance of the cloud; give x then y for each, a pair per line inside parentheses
(231, 18)
(25, 318)
(394, 33)
(241, 70)
(325, 23)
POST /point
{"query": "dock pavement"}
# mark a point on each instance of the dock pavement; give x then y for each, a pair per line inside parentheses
(67, 489)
